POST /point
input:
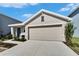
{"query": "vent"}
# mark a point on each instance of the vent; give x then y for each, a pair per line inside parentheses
(42, 18)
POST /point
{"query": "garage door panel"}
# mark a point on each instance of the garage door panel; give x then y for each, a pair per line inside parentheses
(46, 33)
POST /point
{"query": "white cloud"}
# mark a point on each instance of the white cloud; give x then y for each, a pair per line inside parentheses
(16, 5)
(69, 7)
(33, 4)
(64, 9)
(27, 15)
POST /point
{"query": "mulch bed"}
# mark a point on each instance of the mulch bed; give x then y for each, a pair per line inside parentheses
(5, 46)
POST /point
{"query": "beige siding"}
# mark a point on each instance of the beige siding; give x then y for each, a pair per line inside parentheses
(48, 20)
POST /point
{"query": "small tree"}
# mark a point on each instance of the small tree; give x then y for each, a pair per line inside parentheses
(69, 31)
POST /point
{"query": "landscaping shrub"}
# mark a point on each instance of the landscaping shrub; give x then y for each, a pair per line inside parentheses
(16, 39)
(23, 38)
(9, 36)
(69, 31)
(2, 39)
(0, 36)
(5, 37)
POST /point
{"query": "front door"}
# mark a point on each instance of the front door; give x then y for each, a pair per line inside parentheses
(18, 32)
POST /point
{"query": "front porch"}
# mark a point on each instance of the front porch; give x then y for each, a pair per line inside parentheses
(17, 31)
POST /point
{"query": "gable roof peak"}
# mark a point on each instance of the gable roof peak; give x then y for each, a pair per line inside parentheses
(48, 12)
(43, 10)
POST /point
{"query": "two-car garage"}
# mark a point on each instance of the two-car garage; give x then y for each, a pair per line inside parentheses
(48, 32)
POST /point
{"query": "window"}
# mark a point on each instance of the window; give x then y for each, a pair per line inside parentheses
(42, 18)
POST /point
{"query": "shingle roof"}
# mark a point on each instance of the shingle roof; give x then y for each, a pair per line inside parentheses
(10, 17)
(74, 12)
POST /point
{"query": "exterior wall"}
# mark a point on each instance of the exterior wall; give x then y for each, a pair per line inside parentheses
(48, 20)
(5, 21)
(76, 24)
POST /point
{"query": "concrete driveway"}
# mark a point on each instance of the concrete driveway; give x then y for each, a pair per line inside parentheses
(39, 48)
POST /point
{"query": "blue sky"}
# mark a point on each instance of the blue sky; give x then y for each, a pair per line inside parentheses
(22, 11)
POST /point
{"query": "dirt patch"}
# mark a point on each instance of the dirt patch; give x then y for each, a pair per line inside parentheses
(5, 46)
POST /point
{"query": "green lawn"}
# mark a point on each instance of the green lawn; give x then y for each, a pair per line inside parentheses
(75, 46)
(75, 40)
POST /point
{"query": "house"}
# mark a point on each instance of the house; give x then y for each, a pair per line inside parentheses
(44, 25)
(4, 22)
(45, 34)
(75, 19)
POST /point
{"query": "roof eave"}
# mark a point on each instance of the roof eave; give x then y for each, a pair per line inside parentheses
(16, 25)
(43, 10)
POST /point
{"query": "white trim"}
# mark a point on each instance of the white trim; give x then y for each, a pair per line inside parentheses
(46, 24)
(42, 10)
(15, 25)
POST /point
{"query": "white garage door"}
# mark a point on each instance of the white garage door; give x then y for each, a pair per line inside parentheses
(46, 33)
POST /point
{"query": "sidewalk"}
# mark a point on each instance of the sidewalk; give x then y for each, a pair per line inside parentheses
(14, 42)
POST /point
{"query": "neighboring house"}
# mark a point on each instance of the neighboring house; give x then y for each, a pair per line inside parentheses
(75, 19)
(4, 22)
(44, 25)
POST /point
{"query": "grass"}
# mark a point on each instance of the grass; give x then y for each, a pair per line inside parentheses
(75, 45)
(75, 49)
(75, 40)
